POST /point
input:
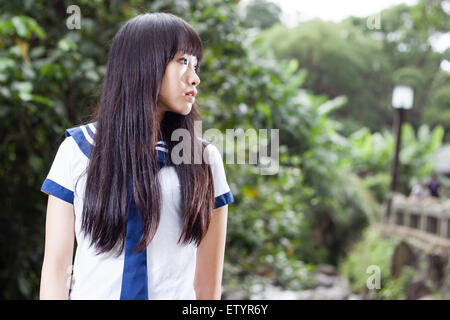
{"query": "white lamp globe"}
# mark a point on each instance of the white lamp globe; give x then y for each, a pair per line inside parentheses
(402, 97)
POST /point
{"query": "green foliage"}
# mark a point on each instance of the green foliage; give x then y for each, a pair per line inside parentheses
(316, 186)
(396, 289)
(439, 111)
(339, 60)
(364, 64)
(375, 250)
(261, 14)
(266, 227)
(371, 156)
(372, 249)
(28, 118)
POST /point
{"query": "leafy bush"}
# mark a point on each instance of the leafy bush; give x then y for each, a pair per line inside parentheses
(375, 250)
(371, 156)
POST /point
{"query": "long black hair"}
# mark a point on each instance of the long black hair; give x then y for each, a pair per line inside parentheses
(128, 131)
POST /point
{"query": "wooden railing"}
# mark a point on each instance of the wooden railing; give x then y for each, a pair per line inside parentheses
(428, 215)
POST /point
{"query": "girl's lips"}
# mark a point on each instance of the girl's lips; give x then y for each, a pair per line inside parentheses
(190, 98)
(192, 92)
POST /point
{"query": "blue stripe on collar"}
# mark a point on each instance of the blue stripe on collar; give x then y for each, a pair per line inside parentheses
(163, 157)
(88, 129)
(78, 135)
(85, 146)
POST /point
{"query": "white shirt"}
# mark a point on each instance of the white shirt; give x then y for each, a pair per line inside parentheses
(170, 266)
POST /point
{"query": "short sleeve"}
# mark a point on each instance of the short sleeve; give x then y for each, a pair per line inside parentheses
(222, 192)
(59, 182)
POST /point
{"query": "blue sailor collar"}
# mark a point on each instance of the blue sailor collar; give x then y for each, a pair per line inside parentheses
(84, 137)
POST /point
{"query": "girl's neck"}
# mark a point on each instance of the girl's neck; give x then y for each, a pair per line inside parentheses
(160, 115)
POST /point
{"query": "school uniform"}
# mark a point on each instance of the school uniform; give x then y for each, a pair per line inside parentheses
(166, 269)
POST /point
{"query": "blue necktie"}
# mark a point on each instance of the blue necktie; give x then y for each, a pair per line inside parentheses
(135, 276)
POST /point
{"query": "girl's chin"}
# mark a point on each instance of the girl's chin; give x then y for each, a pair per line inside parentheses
(187, 109)
(183, 109)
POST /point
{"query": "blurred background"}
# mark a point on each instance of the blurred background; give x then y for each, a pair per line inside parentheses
(323, 73)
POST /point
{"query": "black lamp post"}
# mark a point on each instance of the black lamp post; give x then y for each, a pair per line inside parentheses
(402, 99)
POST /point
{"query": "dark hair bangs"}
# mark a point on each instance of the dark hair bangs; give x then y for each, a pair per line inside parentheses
(190, 43)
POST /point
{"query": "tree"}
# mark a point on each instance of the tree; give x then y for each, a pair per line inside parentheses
(364, 64)
(261, 14)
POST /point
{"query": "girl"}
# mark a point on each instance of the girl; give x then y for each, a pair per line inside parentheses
(146, 228)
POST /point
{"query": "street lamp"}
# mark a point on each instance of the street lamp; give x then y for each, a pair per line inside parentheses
(402, 99)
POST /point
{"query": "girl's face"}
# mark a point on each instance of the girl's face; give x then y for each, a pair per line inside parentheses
(179, 84)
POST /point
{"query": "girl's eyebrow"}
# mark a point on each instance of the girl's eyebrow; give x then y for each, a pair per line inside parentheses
(185, 54)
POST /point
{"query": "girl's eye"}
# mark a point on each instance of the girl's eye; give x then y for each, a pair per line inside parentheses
(185, 61)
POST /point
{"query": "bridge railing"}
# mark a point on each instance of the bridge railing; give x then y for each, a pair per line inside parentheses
(429, 215)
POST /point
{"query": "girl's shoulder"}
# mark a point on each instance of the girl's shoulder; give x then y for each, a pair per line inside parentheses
(83, 136)
(212, 154)
(71, 155)
(222, 191)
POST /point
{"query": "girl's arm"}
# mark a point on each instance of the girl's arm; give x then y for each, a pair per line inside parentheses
(210, 256)
(59, 243)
